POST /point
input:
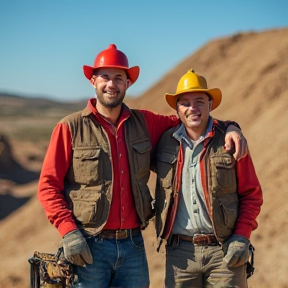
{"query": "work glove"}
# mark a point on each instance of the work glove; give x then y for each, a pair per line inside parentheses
(76, 249)
(236, 251)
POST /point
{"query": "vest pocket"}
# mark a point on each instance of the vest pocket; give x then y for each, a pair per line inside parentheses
(86, 166)
(90, 207)
(223, 174)
(225, 213)
(142, 156)
(229, 205)
(165, 162)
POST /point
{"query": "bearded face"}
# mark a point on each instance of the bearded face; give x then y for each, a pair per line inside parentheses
(110, 85)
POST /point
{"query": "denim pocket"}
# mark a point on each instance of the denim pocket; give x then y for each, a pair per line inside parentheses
(137, 241)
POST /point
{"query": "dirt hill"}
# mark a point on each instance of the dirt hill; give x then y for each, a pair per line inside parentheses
(251, 69)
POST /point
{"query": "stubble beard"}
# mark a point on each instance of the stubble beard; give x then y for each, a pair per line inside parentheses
(112, 102)
(189, 123)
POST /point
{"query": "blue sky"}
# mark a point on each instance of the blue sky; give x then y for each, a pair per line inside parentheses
(45, 43)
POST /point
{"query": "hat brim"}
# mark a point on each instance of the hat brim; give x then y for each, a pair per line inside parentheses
(215, 94)
(132, 72)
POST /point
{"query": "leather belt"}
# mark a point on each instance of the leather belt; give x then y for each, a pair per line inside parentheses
(119, 234)
(200, 239)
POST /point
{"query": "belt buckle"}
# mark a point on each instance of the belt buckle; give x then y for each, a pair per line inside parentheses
(201, 242)
(118, 233)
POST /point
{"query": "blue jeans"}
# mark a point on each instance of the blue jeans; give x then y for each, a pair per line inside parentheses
(116, 263)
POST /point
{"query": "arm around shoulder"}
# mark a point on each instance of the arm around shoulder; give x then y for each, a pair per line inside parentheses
(235, 142)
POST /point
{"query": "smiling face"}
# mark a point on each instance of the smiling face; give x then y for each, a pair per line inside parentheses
(110, 85)
(193, 110)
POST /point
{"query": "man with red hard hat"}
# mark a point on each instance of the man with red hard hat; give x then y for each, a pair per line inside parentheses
(93, 183)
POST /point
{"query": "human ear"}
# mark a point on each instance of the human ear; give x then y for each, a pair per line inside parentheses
(210, 105)
(128, 82)
(93, 81)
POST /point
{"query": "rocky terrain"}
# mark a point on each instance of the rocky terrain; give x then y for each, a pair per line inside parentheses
(251, 69)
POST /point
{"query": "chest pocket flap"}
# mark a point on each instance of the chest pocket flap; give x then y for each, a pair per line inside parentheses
(87, 168)
(223, 174)
(165, 162)
(142, 147)
(86, 154)
(141, 156)
(225, 162)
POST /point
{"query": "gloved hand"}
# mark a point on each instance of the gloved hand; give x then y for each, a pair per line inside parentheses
(76, 249)
(236, 251)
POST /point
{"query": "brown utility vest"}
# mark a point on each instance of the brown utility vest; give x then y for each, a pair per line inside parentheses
(218, 177)
(89, 180)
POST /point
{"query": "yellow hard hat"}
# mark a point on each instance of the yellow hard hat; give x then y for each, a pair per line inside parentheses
(191, 82)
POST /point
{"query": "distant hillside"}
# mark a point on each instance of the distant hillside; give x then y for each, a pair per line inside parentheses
(251, 70)
(21, 114)
(11, 104)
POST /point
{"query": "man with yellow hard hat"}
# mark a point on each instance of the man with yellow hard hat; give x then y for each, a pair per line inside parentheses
(93, 183)
(206, 201)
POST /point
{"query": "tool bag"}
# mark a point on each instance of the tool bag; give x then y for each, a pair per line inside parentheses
(51, 270)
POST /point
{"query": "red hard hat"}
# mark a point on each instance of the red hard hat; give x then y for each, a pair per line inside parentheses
(113, 58)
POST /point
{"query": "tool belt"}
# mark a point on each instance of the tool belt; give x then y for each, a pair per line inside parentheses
(51, 270)
(119, 234)
(200, 239)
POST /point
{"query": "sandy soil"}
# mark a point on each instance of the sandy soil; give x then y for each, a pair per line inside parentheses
(251, 70)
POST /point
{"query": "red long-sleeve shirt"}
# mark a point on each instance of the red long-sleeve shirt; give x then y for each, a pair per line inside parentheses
(58, 159)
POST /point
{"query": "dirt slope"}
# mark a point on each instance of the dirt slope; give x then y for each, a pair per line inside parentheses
(252, 72)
